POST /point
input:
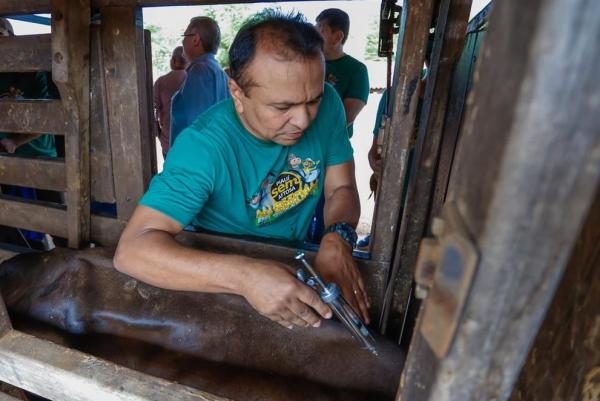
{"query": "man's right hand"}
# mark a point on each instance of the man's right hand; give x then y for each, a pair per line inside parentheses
(273, 290)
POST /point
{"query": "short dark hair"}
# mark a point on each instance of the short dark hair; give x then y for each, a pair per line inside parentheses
(337, 20)
(209, 32)
(289, 35)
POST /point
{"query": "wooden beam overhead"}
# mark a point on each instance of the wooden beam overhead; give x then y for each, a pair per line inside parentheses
(42, 173)
(32, 117)
(25, 53)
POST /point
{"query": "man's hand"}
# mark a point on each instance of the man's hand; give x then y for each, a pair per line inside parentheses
(273, 290)
(8, 144)
(335, 263)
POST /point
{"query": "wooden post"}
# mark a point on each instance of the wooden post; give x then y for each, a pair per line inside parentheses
(5, 325)
(119, 46)
(524, 177)
(450, 31)
(412, 43)
(70, 72)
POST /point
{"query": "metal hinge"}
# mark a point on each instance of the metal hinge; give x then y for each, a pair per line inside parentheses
(445, 269)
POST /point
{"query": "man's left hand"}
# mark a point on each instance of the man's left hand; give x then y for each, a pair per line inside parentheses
(335, 264)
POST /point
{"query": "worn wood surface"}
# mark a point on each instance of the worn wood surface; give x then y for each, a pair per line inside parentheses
(145, 101)
(32, 116)
(59, 373)
(450, 31)
(42, 173)
(153, 130)
(461, 83)
(101, 168)
(25, 53)
(6, 397)
(119, 46)
(524, 177)
(564, 362)
(5, 325)
(71, 74)
(416, 20)
(37, 216)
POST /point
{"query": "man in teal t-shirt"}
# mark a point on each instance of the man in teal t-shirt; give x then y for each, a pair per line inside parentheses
(26, 86)
(348, 76)
(256, 165)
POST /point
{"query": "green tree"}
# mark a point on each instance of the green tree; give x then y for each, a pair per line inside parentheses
(162, 48)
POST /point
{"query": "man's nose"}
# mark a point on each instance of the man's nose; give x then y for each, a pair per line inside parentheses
(300, 117)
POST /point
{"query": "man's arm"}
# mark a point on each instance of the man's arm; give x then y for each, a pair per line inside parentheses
(148, 251)
(13, 141)
(334, 259)
(352, 107)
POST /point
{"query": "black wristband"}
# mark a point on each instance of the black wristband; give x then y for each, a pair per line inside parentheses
(345, 230)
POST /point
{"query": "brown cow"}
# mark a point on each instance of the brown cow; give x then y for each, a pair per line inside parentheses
(214, 342)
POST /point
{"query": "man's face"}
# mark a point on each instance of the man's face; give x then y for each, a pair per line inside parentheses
(284, 101)
(330, 38)
(190, 42)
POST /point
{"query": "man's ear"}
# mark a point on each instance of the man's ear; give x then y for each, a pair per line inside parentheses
(237, 94)
(338, 36)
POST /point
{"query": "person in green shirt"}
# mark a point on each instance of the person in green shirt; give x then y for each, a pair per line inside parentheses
(348, 76)
(256, 164)
(19, 86)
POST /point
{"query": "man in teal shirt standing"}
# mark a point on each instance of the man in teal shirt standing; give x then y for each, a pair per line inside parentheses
(256, 165)
(348, 76)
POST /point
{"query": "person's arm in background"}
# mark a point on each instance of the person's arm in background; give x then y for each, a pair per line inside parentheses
(14, 141)
(358, 93)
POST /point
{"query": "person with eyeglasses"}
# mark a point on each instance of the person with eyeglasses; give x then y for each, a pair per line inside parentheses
(206, 82)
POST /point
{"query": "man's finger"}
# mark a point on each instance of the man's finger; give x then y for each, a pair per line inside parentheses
(281, 321)
(306, 314)
(310, 298)
(293, 318)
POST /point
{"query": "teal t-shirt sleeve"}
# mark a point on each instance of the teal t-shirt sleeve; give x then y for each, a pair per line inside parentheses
(339, 149)
(187, 180)
(359, 86)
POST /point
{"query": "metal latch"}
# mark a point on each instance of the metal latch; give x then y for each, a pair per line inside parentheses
(445, 269)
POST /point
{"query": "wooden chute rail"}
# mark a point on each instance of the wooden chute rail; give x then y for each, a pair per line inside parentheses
(477, 182)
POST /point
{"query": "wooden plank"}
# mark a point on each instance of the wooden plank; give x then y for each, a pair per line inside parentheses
(36, 216)
(414, 32)
(6, 397)
(145, 101)
(525, 175)
(563, 363)
(461, 84)
(42, 173)
(106, 231)
(59, 373)
(32, 116)
(153, 130)
(101, 168)
(26, 53)
(450, 32)
(5, 325)
(119, 46)
(70, 72)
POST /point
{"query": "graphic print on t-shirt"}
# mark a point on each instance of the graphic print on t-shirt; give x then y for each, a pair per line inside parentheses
(281, 193)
